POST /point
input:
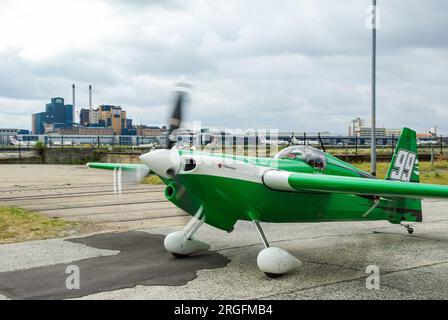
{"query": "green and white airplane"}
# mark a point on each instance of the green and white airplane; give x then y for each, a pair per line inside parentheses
(299, 184)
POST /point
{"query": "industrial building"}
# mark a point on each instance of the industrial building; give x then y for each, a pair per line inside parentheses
(112, 116)
(81, 130)
(84, 117)
(56, 114)
(107, 116)
(59, 118)
(150, 131)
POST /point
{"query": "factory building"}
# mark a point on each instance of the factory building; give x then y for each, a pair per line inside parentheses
(56, 113)
(106, 119)
(84, 117)
(94, 116)
(107, 116)
(112, 116)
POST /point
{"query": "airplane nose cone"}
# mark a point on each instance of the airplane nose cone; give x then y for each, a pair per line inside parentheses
(165, 163)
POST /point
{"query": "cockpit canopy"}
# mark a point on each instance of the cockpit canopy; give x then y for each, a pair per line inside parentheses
(312, 156)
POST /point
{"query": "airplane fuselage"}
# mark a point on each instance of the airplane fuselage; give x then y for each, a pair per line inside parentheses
(231, 188)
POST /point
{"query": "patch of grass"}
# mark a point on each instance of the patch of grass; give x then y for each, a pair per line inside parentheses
(153, 179)
(381, 168)
(437, 174)
(21, 225)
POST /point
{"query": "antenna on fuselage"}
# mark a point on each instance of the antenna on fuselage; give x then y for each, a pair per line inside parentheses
(321, 142)
(290, 139)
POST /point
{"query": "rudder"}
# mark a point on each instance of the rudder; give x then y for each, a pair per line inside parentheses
(404, 165)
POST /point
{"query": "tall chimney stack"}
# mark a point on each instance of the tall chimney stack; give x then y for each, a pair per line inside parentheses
(73, 97)
(90, 97)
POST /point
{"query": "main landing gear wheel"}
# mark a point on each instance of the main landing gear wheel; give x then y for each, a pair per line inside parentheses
(410, 230)
(274, 275)
(274, 262)
(181, 244)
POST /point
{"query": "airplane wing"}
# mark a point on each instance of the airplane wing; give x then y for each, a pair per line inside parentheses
(116, 166)
(300, 182)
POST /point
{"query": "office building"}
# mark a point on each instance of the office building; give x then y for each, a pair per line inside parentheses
(355, 127)
(38, 123)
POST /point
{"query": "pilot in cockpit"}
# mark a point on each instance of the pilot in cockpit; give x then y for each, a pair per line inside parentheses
(312, 156)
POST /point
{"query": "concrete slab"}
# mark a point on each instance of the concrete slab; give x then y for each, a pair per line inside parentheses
(33, 254)
(77, 193)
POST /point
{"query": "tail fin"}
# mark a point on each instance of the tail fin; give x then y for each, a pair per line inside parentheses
(404, 164)
(404, 167)
(13, 140)
(262, 139)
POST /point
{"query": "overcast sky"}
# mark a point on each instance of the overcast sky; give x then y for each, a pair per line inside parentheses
(301, 65)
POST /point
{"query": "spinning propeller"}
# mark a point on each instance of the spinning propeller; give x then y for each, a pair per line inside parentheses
(128, 176)
(166, 163)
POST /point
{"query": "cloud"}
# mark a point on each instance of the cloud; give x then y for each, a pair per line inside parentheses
(292, 65)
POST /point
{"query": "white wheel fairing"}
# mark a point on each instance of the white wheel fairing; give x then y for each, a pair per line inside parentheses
(177, 242)
(277, 261)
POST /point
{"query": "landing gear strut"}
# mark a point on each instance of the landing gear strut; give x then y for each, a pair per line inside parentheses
(408, 227)
(274, 262)
(181, 244)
